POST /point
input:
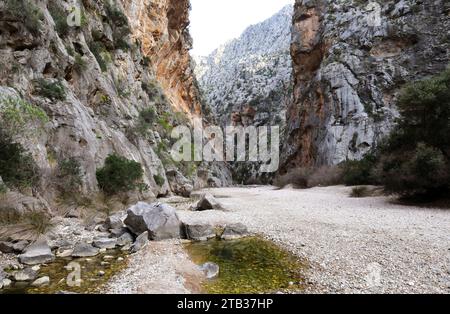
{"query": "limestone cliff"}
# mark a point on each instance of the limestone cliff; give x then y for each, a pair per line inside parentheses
(125, 63)
(350, 59)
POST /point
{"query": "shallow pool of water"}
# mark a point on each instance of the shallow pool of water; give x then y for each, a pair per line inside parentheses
(248, 265)
(91, 280)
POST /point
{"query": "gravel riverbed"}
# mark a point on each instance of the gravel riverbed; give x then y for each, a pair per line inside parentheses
(352, 245)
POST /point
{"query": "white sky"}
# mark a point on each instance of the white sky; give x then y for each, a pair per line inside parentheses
(213, 22)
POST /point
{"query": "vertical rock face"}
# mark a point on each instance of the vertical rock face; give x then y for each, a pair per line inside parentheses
(125, 58)
(247, 81)
(161, 27)
(350, 59)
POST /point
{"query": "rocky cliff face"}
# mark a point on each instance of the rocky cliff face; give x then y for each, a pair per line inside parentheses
(350, 59)
(124, 64)
(247, 80)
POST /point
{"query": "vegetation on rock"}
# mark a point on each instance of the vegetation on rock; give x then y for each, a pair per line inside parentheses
(119, 175)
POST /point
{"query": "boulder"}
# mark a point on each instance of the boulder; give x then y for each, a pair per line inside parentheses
(140, 243)
(160, 220)
(43, 281)
(179, 184)
(27, 274)
(37, 253)
(6, 283)
(208, 202)
(198, 232)
(234, 231)
(125, 239)
(105, 243)
(211, 270)
(117, 233)
(10, 247)
(84, 250)
(116, 221)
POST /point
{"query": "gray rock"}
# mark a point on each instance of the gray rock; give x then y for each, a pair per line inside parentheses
(10, 247)
(84, 250)
(211, 270)
(125, 239)
(40, 282)
(208, 202)
(60, 244)
(116, 221)
(160, 220)
(27, 274)
(199, 232)
(140, 243)
(6, 283)
(234, 231)
(179, 184)
(105, 243)
(117, 233)
(37, 253)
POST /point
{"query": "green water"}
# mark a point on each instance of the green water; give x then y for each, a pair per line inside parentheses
(248, 265)
(91, 282)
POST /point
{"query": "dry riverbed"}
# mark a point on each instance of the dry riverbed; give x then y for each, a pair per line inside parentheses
(366, 245)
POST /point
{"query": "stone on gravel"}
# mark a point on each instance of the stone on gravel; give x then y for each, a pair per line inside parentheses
(37, 253)
(208, 202)
(116, 221)
(40, 282)
(160, 220)
(63, 253)
(140, 243)
(125, 239)
(211, 270)
(84, 250)
(10, 247)
(117, 233)
(198, 232)
(105, 243)
(6, 283)
(27, 274)
(234, 231)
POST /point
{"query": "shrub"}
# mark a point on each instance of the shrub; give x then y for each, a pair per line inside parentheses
(146, 119)
(69, 173)
(60, 17)
(159, 179)
(101, 54)
(115, 15)
(326, 176)
(15, 114)
(297, 177)
(51, 90)
(359, 192)
(423, 171)
(80, 64)
(28, 13)
(3, 188)
(17, 167)
(415, 158)
(38, 222)
(359, 172)
(119, 175)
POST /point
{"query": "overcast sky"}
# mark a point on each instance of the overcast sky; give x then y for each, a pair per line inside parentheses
(213, 22)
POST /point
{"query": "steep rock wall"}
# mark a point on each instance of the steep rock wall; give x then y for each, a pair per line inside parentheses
(350, 59)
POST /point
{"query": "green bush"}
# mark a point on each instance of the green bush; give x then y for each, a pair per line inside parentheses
(119, 175)
(115, 15)
(415, 158)
(51, 90)
(159, 179)
(17, 167)
(146, 119)
(59, 15)
(28, 13)
(101, 54)
(80, 64)
(16, 113)
(359, 192)
(359, 172)
(70, 176)
(420, 172)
